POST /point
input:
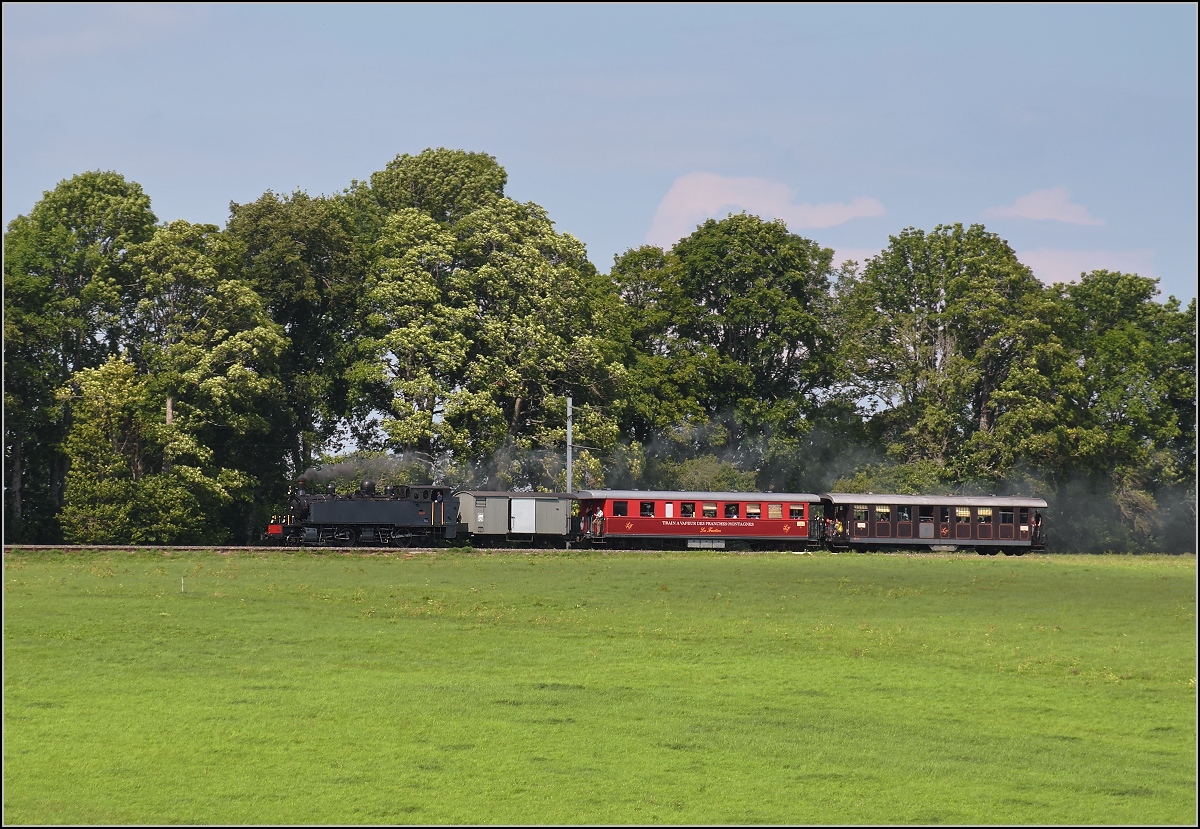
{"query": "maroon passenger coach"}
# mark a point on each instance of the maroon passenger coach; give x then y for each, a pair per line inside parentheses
(942, 523)
(699, 520)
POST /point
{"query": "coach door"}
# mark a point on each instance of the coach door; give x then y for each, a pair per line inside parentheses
(883, 521)
(943, 522)
(1006, 524)
(983, 522)
(962, 522)
(904, 521)
(858, 527)
(925, 528)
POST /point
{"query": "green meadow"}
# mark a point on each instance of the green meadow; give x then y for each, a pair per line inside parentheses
(463, 687)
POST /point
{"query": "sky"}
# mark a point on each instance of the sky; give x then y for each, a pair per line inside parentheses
(1069, 130)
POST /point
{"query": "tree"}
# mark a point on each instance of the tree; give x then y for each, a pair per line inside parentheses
(478, 320)
(445, 185)
(135, 479)
(530, 297)
(210, 354)
(1136, 360)
(414, 342)
(62, 296)
(934, 328)
(302, 256)
(665, 377)
(730, 352)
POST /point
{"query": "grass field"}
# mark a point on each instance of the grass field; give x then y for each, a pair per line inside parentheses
(460, 687)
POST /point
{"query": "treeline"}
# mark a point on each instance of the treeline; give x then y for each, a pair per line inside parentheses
(163, 383)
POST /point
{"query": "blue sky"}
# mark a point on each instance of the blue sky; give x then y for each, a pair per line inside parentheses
(1069, 130)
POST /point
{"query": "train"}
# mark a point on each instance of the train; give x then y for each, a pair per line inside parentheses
(403, 516)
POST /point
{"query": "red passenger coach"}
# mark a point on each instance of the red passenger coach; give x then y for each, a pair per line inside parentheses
(699, 520)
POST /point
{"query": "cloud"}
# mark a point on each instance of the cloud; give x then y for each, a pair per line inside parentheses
(1046, 205)
(1051, 265)
(698, 196)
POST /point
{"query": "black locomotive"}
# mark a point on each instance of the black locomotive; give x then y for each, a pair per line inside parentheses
(399, 517)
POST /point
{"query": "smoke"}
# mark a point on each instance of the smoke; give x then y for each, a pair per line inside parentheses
(347, 472)
(510, 469)
(834, 452)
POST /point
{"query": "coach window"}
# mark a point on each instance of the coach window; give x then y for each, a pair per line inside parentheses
(944, 515)
(883, 514)
(731, 510)
(1024, 515)
(620, 508)
(687, 509)
(796, 512)
(860, 513)
(774, 511)
(1006, 516)
(925, 515)
(647, 509)
(962, 515)
(753, 510)
(904, 513)
(710, 509)
(985, 514)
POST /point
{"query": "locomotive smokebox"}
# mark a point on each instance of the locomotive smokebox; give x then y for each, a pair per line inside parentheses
(367, 487)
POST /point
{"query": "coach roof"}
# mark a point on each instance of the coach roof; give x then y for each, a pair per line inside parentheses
(657, 495)
(933, 500)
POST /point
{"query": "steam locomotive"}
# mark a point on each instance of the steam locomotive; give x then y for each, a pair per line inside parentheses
(401, 516)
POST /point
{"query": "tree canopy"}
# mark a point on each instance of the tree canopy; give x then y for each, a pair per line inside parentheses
(163, 382)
